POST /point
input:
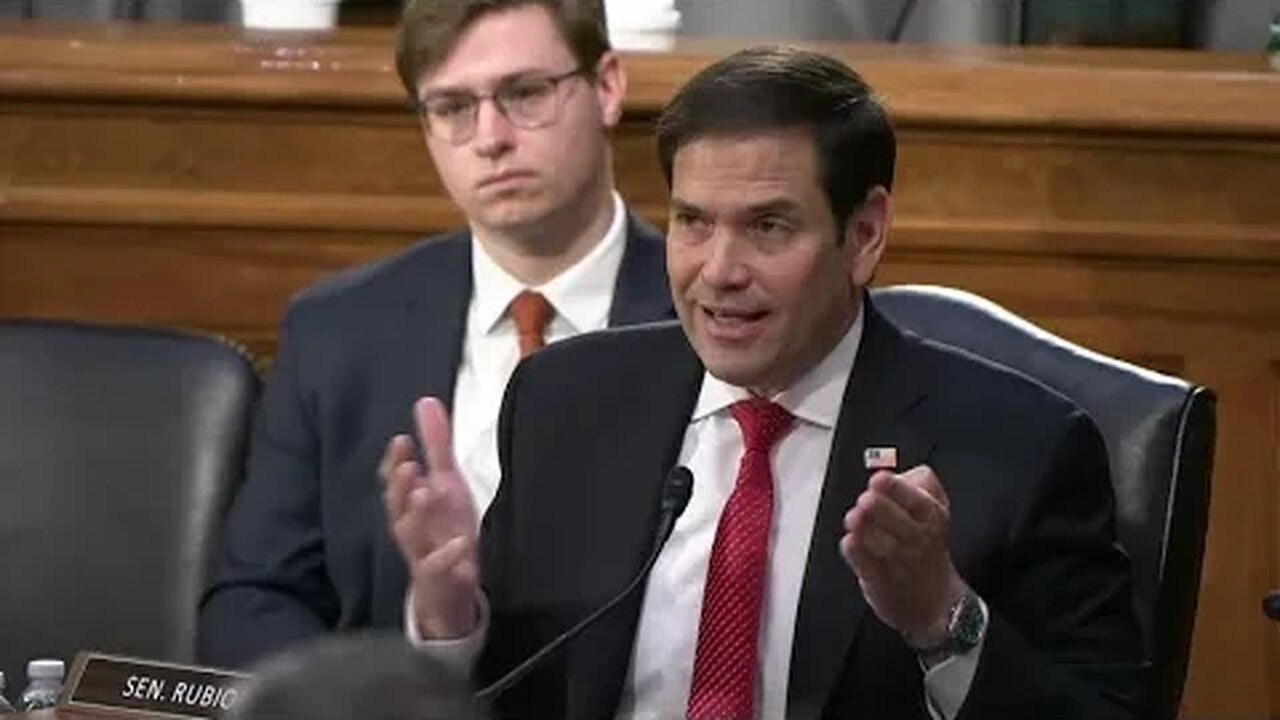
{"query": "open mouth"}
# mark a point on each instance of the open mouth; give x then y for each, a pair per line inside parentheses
(733, 323)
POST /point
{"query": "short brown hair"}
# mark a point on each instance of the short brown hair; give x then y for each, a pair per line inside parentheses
(429, 29)
(771, 88)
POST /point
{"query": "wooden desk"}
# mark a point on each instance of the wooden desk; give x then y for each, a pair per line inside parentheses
(1129, 200)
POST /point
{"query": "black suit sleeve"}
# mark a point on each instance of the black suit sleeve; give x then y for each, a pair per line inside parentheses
(517, 627)
(270, 588)
(1063, 640)
(495, 532)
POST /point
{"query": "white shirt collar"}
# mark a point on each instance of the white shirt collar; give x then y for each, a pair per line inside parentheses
(815, 398)
(581, 295)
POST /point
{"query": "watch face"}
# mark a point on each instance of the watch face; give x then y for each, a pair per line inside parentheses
(969, 622)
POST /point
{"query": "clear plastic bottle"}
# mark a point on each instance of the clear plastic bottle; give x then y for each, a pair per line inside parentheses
(44, 685)
(1273, 46)
(5, 707)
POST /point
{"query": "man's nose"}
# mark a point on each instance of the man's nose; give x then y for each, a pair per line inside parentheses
(495, 133)
(724, 266)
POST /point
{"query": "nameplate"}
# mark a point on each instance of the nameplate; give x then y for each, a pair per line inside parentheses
(110, 684)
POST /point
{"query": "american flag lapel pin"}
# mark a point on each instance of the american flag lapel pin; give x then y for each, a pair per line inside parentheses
(880, 458)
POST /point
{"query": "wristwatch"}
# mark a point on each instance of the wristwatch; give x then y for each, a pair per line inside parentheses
(966, 626)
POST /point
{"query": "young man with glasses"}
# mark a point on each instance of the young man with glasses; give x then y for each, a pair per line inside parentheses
(516, 99)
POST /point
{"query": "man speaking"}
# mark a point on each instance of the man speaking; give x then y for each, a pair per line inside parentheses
(880, 526)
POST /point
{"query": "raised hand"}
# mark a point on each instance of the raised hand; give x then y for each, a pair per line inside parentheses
(896, 541)
(434, 522)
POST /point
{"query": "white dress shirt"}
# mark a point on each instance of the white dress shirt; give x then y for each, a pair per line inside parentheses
(666, 640)
(667, 637)
(581, 297)
(661, 671)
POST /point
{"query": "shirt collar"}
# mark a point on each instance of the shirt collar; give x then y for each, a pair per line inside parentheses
(815, 398)
(581, 294)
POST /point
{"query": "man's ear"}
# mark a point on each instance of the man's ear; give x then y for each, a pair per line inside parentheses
(866, 233)
(611, 88)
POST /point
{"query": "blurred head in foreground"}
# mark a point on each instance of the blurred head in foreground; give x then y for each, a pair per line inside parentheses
(369, 677)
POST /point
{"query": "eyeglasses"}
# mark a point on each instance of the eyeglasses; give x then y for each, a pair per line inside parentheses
(528, 101)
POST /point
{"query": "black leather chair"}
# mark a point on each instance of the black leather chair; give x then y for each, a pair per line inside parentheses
(1159, 432)
(119, 450)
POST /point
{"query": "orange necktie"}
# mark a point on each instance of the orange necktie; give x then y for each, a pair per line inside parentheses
(530, 312)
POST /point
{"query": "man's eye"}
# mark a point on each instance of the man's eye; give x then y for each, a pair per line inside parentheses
(771, 228)
(525, 91)
(448, 108)
(689, 220)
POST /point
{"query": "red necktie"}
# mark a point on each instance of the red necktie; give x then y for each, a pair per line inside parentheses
(530, 312)
(727, 660)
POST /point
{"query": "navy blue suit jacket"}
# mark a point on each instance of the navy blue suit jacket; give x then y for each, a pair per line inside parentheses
(305, 548)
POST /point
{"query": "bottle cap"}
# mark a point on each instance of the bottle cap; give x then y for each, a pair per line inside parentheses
(45, 669)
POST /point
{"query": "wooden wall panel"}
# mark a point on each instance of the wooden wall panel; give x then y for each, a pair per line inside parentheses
(198, 177)
(212, 279)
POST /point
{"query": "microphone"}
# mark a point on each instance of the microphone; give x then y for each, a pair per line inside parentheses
(1271, 605)
(676, 489)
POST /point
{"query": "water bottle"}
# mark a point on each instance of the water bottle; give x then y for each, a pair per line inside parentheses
(5, 707)
(1273, 46)
(44, 685)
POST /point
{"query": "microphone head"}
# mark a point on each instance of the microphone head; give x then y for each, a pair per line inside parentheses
(1271, 605)
(676, 491)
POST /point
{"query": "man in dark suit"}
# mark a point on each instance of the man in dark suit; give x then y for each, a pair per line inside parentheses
(880, 526)
(517, 100)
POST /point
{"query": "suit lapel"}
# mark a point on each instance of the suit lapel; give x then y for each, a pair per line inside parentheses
(641, 293)
(436, 319)
(429, 318)
(643, 455)
(884, 387)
